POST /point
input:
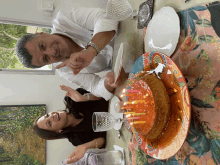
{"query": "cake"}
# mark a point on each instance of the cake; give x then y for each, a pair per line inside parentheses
(156, 106)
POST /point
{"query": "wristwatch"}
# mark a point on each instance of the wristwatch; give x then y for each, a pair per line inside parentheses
(87, 94)
(90, 43)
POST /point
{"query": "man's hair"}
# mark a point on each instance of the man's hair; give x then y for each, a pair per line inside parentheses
(24, 56)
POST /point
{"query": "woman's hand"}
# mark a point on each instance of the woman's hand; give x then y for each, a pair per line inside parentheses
(79, 60)
(73, 94)
(77, 154)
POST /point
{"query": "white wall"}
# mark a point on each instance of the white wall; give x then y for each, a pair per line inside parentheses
(20, 89)
(30, 10)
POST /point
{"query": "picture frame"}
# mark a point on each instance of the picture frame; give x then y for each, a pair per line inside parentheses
(18, 142)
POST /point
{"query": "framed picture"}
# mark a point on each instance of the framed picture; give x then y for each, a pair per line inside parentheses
(18, 143)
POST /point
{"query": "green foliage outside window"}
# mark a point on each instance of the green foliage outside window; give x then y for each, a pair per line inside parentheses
(9, 34)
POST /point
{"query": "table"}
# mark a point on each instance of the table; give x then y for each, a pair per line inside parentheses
(134, 46)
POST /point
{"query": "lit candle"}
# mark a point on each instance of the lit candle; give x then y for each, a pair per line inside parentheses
(128, 107)
(139, 101)
(129, 94)
(139, 122)
(139, 114)
(126, 113)
(129, 90)
(132, 118)
(136, 91)
(128, 103)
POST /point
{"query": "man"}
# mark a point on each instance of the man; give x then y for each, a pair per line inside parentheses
(78, 47)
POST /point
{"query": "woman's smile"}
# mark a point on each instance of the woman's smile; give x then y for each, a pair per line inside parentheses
(53, 121)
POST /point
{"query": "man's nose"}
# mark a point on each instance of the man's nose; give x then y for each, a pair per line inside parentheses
(50, 52)
(52, 115)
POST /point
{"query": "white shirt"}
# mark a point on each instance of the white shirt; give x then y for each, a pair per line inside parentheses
(81, 24)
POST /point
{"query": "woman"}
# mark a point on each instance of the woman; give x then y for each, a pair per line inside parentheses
(74, 123)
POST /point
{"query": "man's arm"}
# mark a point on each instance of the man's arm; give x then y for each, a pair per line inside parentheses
(88, 81)
(101, 39)
(80, 60)
(103, 31)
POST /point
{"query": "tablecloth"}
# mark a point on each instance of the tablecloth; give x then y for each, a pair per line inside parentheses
(198, 56)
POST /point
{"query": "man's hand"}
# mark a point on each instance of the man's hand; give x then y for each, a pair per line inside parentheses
(77, 154)
(73, 94)
(79, 60)
(110, 79)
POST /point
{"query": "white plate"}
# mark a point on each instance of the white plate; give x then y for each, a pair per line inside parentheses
(163, 32)
(114, 100)
(118, 62)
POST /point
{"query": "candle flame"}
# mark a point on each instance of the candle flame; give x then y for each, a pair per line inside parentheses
(128, 115)
(139, 114)
(123, 91)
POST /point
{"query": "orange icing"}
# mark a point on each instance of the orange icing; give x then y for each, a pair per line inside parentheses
(148, 107)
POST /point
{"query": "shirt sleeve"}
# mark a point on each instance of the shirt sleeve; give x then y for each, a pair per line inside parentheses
(92, 83)
(93, 19)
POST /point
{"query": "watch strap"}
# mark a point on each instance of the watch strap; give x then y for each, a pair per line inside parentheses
(90, 43)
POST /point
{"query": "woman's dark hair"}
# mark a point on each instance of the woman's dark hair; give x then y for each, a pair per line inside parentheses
(71, 106)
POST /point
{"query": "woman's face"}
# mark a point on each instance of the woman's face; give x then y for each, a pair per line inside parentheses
(54, 121)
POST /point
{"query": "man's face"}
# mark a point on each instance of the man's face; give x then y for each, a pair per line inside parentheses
(47, 49)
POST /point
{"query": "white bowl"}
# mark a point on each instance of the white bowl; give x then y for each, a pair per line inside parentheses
(163, 31)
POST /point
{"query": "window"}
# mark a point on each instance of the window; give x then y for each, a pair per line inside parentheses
(9, 62)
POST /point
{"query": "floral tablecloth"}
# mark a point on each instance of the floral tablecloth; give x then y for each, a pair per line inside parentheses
(198, 56)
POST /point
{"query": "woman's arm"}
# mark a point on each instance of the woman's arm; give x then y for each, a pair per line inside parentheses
(76, 96)
(89, 96)
(80, 150)
(96, 143)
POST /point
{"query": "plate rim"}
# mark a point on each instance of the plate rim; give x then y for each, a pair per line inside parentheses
(119, 59)
(189, 119)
